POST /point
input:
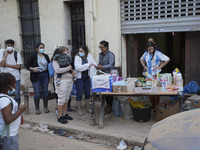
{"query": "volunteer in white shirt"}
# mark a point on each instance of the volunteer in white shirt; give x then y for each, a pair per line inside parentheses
(10, 113)
(10, 61)
(83, 62)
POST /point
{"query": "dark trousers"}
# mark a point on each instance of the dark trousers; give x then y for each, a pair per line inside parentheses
(83, 84)
(109, 100)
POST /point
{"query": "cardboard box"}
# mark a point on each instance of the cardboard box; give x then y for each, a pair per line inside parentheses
(162, 113)
(195, 101)
(119, 88)
(146, 89)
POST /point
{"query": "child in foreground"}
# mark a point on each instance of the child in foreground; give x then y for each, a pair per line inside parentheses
(10, 114)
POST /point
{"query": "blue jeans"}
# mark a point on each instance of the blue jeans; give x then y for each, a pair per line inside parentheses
(10, 144)
(17, 92)
(83, 84)
(42, 83)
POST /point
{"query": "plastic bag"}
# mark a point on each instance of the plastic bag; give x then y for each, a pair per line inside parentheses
(191, 87)
(50, 69)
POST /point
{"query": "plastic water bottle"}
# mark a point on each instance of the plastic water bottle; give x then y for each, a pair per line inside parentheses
(127, 110)
(117, 108)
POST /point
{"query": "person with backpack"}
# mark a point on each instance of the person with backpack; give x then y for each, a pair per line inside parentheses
(10, 61)
(10, 114)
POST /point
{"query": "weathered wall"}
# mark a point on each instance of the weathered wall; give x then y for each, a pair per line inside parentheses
(10, 26)
(103, 23)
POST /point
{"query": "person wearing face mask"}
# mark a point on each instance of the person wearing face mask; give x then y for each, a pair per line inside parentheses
(83, 62)
(39, 76)
(10, 61)
(11, 114)
(63, 59)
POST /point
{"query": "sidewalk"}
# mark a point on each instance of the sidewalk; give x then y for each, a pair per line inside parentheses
(113, 131)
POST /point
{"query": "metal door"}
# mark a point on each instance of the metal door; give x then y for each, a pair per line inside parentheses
(150, 16)
(30, 26)
(78, 24)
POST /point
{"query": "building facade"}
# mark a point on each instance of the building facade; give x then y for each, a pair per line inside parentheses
(125, 24)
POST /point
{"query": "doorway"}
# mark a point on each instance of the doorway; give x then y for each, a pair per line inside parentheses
(171, 44)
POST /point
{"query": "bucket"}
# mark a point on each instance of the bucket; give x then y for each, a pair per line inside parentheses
(142, 115)
(127, 110)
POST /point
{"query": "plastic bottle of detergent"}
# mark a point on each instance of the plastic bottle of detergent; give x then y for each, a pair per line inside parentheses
(117, 107)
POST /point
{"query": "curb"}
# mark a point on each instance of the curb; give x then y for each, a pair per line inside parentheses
(114, 140)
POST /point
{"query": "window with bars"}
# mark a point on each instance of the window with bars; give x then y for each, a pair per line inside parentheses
(30, 26)
(148, 11)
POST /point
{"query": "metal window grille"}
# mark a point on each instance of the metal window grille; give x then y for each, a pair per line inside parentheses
(168, 15)
(30, 26)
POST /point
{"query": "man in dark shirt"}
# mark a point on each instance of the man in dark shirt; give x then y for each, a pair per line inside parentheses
(106, 64)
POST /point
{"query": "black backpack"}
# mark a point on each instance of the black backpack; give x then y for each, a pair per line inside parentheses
(15, 55)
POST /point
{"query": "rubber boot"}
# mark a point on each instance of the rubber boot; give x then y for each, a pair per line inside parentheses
(87, 104)
(45, 102)
(37, 108)
(79, 110)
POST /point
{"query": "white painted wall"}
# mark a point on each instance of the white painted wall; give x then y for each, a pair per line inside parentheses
(52, 24)
(10, 26)
(102, 19)
(102, 22)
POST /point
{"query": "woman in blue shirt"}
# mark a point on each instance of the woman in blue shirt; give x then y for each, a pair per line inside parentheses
(153, 61)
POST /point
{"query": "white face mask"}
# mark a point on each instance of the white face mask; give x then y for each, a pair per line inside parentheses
(10, 49)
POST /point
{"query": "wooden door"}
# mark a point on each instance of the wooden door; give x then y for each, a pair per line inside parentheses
(192, 58)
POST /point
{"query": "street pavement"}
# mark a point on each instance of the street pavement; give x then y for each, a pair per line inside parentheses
(115, 128)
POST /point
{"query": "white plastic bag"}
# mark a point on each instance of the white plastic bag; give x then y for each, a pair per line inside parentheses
(93, 71)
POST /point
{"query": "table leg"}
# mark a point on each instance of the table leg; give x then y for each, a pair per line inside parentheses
(181, 97)
(92, 108)
(101, 119)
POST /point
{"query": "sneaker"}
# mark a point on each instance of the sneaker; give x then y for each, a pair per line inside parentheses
(62, 120)
(57, 83)
(67, 117)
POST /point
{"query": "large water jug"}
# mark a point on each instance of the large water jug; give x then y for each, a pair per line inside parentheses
(117, 108)
(127, 110)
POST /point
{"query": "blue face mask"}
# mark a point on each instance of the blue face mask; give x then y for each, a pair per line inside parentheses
(81, 54)
(10, 93)
(41, 51)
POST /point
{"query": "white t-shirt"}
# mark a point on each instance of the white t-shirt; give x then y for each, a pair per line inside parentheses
(11, 60)
(14, 126)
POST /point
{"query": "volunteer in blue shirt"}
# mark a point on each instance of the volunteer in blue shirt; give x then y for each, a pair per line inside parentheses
(106, 64)
(153, 60)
